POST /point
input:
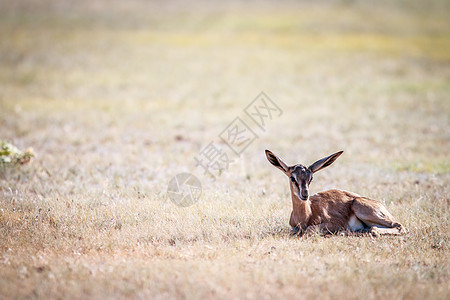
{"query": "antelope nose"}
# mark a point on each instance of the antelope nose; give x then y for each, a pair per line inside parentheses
(304, 193)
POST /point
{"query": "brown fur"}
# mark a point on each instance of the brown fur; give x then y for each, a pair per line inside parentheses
(333, 210)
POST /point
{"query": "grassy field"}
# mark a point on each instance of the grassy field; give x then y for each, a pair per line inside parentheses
(117, 98)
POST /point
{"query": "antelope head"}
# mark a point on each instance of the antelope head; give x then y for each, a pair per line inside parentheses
(299, 175)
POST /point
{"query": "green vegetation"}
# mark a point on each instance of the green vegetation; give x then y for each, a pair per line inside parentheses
(10, 155)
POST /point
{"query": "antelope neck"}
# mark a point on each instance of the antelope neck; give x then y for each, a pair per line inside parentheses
(301, 210)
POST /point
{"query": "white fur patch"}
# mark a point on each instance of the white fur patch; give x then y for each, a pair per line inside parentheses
(354, 224)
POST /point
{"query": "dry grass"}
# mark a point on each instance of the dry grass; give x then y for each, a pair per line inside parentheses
(117, 101)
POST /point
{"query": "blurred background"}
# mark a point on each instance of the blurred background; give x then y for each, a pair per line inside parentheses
(131, 91)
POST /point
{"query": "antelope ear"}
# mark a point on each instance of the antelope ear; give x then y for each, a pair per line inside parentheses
(276, 161)
(324, 162)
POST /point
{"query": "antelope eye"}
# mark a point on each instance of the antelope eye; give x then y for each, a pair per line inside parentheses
(292, 179)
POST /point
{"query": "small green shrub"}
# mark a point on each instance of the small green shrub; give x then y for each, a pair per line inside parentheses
(11, 155)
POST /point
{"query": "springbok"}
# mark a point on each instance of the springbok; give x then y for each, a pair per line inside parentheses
(333, 210)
